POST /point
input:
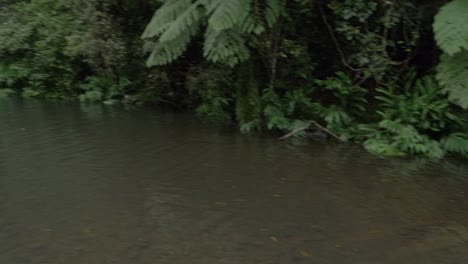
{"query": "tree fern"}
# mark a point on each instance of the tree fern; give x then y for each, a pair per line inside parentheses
(273, 11)
(166, 52)
(452, 73)
(230, 25)
(175, 22)
(183, 24)
(451, 27)
(226, 46)
(226, 14)
(451, 34)
(165, 16)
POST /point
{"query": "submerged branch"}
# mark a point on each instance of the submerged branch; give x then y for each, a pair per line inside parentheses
(297, 130)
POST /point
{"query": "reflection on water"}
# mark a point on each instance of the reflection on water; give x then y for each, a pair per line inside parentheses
(83, 183)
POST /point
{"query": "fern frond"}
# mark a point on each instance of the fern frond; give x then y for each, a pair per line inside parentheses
(174, 23)
(165, 16)
(451, 27)
(225, 14)
(452, 74)
(250, 25)
(273, 11)
(231, 25)
(183, 22)
(228, 46)
(166, 52)
(456, 143)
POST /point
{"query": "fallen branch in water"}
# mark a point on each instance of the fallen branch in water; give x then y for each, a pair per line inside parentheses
(297, 130)
(169, 102)
(327, 131)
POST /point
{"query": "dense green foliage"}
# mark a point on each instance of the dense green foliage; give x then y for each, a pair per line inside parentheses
(392, 75)
(32, 44)
(228, 25)
(451, 33)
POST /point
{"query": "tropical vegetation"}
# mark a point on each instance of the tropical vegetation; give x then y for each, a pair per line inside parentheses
(390, 74)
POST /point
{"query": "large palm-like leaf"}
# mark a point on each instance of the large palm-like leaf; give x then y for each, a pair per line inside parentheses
(452, 73)
(451, 34)
(230, 25)
(451, 27)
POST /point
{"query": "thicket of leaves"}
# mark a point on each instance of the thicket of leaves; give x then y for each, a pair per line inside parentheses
(389, 74)
(69, 48)
(98, 37)
(414, 118)
(32, 43)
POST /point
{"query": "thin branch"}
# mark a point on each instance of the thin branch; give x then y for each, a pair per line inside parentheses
(326, 130)
(297, 130)
(168, 102)
(335, 41)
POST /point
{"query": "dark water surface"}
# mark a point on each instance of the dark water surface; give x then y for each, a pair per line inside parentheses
(88, 184)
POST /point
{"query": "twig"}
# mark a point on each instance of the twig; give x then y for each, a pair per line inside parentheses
(335, 41)
(297, 130)
(168, 102)
(326, 130)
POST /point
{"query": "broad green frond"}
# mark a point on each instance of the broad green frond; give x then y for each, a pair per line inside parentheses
(166, 52)
(228, 46)
(452, 74)
(175, 23)
(249, 25)
(456, 143)
(226, 14)
(184, 22)
(451, 27)
(165, 16)
(273, 11)
(230, 26)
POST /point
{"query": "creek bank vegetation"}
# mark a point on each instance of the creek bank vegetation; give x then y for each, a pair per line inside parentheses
(390, 74)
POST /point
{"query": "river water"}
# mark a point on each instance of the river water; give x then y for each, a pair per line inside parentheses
(90, 184)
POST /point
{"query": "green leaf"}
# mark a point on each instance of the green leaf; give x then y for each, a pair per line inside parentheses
(229, 27)
(226, 14)
(451, 27)
(452, 74)
(456, 143)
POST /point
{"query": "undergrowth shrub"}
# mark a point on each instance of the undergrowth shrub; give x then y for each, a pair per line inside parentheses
(103, 88)
(456, 143)
(287, 112)
(413, 119)
(347, 103)
(6, 92)
(32, 40)
(212, 88)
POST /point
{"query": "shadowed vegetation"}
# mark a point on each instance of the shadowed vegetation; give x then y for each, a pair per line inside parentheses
(392, 75)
